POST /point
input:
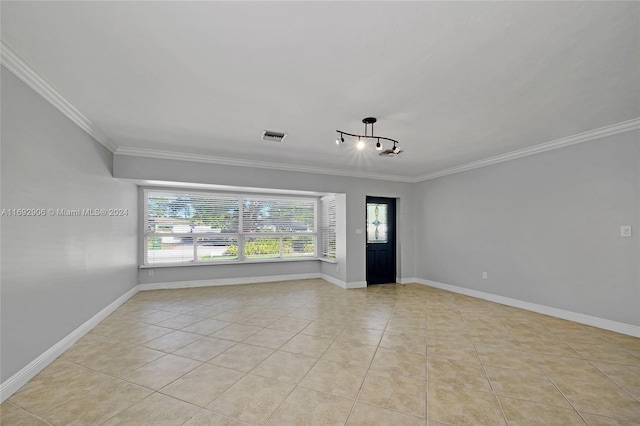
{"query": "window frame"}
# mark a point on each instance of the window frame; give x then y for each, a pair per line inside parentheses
(240, 235)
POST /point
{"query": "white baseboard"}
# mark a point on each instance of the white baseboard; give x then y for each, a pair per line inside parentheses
(406, 280)
(606, 324)
(333, 280)
(227, 281)
(15, 382)
(357, 284)
(245, 280)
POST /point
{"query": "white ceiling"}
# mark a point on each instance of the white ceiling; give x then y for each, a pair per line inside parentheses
(454, 82)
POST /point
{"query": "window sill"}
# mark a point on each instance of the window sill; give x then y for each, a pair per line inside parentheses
(235, 262)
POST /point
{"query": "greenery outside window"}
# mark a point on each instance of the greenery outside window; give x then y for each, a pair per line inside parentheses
(203, 227)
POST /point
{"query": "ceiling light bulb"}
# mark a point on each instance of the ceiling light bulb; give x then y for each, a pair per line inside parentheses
(337, 141)
(396, 149)
(378, 146)
(360, 144)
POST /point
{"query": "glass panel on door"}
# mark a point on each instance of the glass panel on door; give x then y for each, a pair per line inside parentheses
(377, 223)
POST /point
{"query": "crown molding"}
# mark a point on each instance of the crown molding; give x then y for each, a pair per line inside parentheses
(171, 155)
(14, 63)
(602, 132)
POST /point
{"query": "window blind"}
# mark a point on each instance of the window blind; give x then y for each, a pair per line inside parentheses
(278, 216)
(182, 228)
(328, 226)
(186, 213)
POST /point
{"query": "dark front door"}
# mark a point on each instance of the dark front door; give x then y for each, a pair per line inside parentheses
(381, 240)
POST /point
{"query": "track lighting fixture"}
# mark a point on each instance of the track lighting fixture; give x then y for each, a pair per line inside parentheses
(363, 138)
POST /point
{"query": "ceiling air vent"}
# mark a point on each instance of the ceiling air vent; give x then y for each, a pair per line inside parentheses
(270, 135)
(390, 153)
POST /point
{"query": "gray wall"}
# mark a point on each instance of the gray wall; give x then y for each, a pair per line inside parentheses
(56, 272)
(356, 190)
(546, 228)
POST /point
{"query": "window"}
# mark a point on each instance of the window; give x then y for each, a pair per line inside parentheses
(328, 227)
(189, 228)
(376, 223)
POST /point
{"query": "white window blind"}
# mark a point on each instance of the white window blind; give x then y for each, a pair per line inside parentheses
(185, 228)
(328, 226)
(183, 213)
(278, 216)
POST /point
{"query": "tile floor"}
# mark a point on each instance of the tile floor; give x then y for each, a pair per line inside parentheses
(307, 352)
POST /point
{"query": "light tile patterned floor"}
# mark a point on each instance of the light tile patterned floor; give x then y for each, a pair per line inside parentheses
(307, 352)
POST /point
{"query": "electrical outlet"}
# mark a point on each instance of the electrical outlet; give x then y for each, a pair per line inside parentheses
(625, 231)
(150, 272)
(484, 275)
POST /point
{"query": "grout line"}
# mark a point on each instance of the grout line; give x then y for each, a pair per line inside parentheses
(136, 403)
(217, 414)
(396, 411)
(495, 395)
(426, 363)
(394, 298)
(18, 407)
(549, 378)
(368, 369)
(306, 374)
(612, 379)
